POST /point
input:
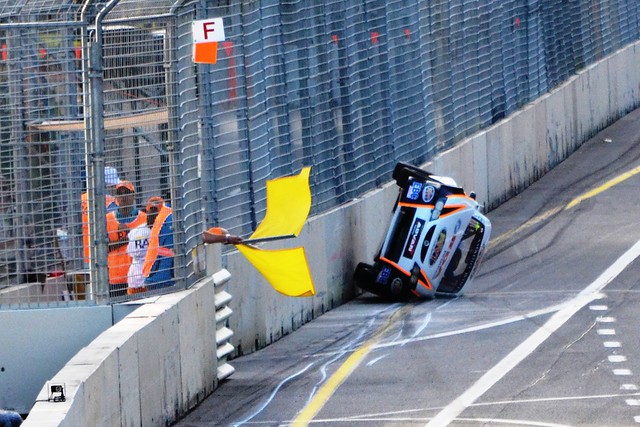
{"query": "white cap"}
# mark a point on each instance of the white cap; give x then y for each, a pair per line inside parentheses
(111, 176)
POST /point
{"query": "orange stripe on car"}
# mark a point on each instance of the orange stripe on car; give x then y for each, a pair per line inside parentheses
(402, 270)
(462, 196)
(407, 273)
(415, 205)
(452, 209)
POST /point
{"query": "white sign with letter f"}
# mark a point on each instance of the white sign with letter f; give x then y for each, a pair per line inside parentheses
(208, 30)
(206, 35)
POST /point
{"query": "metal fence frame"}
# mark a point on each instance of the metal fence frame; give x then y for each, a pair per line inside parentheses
(347, 87)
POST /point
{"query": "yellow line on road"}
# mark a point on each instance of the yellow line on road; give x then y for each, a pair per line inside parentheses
(328, 388)
(603, 187)
(533, 221)
(331, 385)
(545, 215)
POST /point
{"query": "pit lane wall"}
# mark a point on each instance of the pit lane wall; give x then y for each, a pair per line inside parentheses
(151, 367)
(148, 369)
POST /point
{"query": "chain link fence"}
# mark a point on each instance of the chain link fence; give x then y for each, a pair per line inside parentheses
(96, 88)
(99, 115)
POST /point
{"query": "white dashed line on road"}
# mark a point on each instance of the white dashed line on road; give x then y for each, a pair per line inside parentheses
(617, 358)
(585, 298)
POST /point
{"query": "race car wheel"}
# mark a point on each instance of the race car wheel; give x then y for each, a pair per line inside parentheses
(397, 287)
(403, 171)
(364, 276)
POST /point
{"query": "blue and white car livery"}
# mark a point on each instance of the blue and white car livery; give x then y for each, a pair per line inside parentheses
(434, 243)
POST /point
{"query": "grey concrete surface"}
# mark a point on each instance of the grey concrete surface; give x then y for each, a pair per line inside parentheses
(423, 358)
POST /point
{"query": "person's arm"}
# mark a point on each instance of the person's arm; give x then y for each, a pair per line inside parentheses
(220, 235)
(118, 234)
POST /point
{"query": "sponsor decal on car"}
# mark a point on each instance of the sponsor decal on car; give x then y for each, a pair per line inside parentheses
(442, 263)
(437, 249)
(383, 276)
(428, 192)
(414, 236)
(426, 243)
(414, 191)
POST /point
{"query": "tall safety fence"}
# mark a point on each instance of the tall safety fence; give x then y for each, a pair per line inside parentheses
(96, 92)
(99, 136)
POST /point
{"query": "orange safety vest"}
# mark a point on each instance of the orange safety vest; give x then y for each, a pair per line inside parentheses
(85, 221)
(154, 249)
(118, 259)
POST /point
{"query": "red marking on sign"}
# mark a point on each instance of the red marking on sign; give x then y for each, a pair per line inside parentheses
(208, 27)
(374, 37)
(206, 53)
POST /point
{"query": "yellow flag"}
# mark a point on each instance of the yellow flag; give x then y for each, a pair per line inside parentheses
(288, 205)
(285, 269)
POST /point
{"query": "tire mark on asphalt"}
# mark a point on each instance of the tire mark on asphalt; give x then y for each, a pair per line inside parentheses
(325, 392)
(496, 373)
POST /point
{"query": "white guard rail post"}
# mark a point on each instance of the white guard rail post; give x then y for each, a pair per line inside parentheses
(223, 333)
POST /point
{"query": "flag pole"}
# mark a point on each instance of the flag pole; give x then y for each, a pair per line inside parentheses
(266, 239)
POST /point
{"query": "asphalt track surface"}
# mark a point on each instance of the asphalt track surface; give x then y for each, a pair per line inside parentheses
(547, 335)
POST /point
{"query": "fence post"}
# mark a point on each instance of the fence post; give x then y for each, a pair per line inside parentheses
(97, 157)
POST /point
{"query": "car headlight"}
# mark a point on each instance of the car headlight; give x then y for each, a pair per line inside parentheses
(437, 210)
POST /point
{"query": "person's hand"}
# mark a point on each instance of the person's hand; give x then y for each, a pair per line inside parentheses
(233, 240)
(220, 235)
(123, 233)
(209, 237)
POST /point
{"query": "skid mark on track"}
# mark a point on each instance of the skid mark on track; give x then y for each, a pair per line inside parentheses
(416, 415)
(273, 394)
(573, 203)
(496, 373)
(331, 385)
(348, 347)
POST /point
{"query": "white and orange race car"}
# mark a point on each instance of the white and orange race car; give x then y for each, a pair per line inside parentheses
(435, 241)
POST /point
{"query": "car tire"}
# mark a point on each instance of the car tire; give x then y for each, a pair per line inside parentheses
(403, 171)
(397, 288)
(363, 276)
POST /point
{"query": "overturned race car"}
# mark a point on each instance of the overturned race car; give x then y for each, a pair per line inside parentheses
(435, 241)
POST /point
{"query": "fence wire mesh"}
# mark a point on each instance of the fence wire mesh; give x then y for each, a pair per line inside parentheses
(347, 87)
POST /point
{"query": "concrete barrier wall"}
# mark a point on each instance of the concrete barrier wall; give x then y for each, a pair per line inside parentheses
(38, 343)
(159, 361)
(497, 163)
(148, 369)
